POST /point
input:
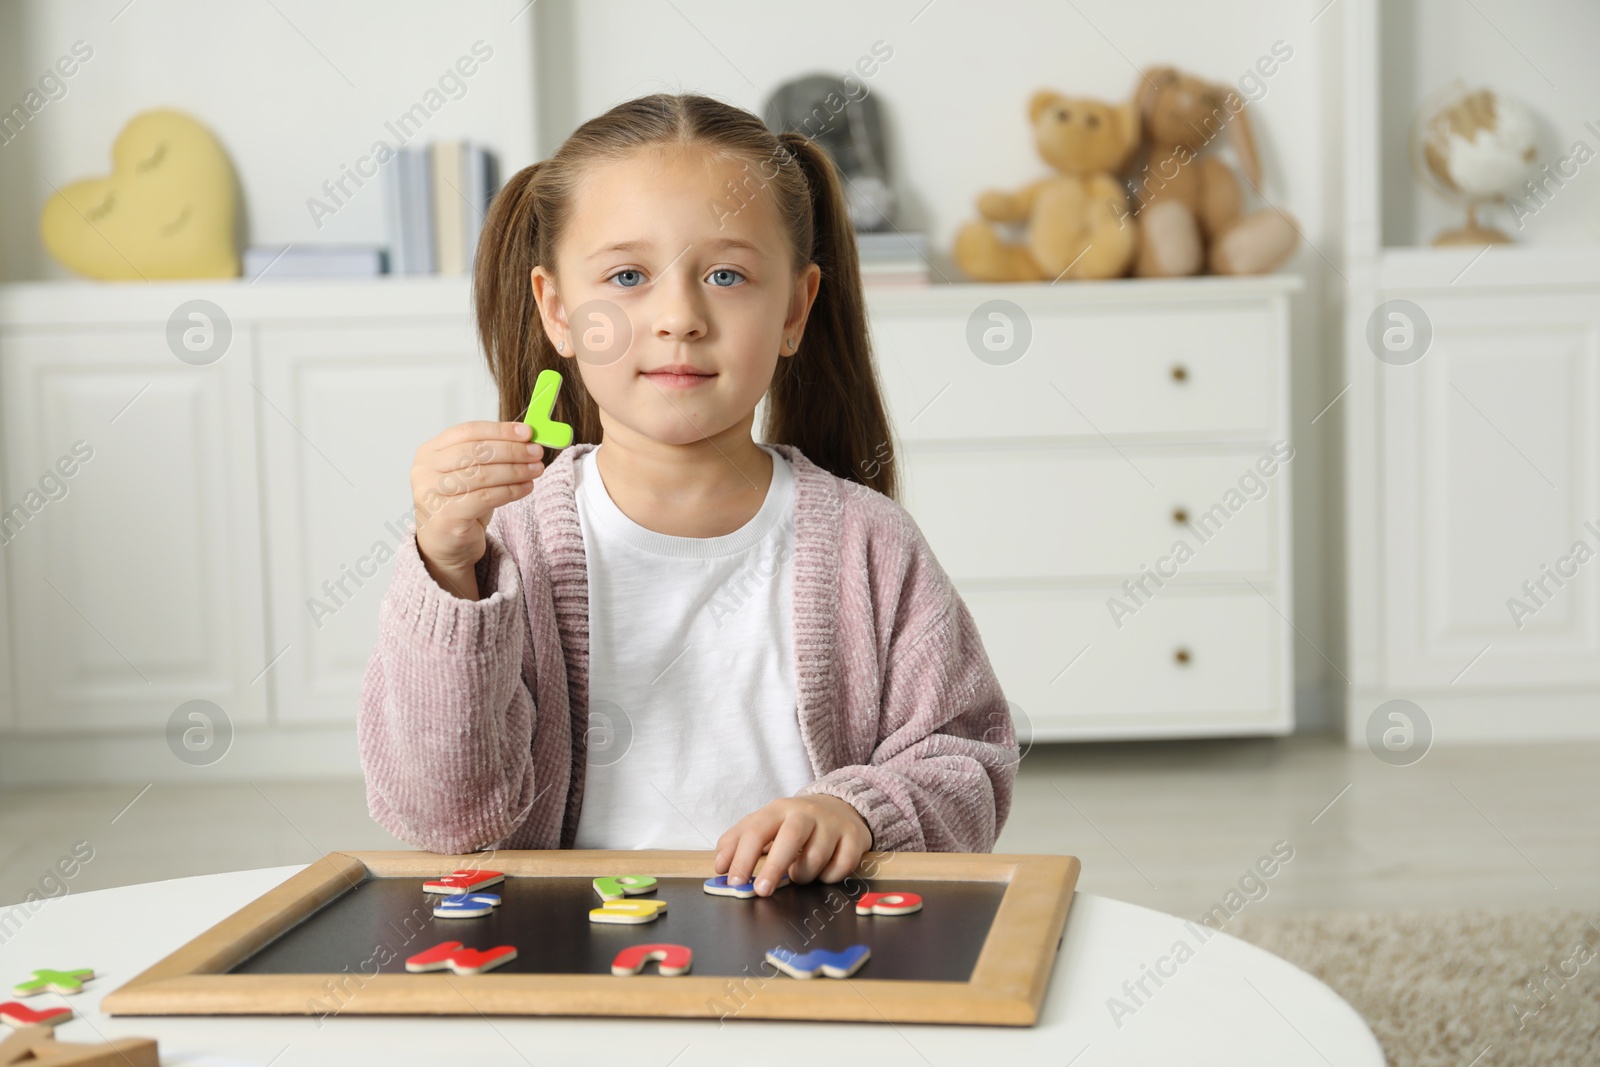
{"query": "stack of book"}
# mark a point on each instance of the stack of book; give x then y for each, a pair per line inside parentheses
(893, 258)
(274, 262)
(437, 198)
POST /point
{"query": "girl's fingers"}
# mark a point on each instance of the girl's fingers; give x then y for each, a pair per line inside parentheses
(487, 451)
(846, 857)
(490, 474)
(471, 444)
(786, 846)
(464, 483)
(480, 451)
(725, 847)
(755, 833)
(482, 430)
(818, 851)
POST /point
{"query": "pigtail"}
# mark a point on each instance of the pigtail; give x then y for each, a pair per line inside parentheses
(825, 398)
(509, 328)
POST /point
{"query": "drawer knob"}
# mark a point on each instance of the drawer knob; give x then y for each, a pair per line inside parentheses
(1180, 373)
(1180, 515)
(1181, 655)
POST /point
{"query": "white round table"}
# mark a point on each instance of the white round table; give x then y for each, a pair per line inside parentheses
(1227, 1003)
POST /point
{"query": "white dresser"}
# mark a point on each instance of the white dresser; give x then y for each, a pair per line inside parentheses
(228, 539)
(1122, 446)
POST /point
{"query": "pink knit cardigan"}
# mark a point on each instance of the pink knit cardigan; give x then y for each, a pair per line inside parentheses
(474, 713)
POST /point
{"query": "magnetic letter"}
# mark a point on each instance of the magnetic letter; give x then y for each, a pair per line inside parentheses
(466, 905)
(20, 1015)
(675, 959)
(806, 964)
(888, 904)
(719, 887)
(628, 911)
(624, 885)
(54, 982)
(450, 954)
(463, 882)
(546, 430)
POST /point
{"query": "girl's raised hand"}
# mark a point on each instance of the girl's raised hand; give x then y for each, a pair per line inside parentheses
(808, 836)
(457, 480)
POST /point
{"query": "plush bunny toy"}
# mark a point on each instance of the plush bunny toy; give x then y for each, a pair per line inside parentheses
(1188, 203)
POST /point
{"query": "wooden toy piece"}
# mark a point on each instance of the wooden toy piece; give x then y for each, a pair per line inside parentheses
(840, 964)
(53, 982)
(719, 887)
(624, 885)
(20, 1015)
(675, 959)
(888, 903)
(546, 430)
(466, 905)
(36, 1046)
(451, 955)
(463, 882)
(628, 911)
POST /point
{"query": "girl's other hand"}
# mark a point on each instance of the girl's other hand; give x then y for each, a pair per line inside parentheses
(808, 836)
(457, 480)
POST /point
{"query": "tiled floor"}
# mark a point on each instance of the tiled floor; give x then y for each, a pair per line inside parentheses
(1172, 825)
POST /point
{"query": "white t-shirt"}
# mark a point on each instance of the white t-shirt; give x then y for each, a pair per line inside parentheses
(692, 720)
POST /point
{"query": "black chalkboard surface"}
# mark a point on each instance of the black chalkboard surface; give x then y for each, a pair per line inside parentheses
(333, 938)
(375, 926)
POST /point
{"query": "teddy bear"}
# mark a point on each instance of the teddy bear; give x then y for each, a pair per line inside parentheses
(1076, 224)
(1188, 202)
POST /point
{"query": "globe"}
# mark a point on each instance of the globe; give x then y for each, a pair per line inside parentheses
(1473, 147)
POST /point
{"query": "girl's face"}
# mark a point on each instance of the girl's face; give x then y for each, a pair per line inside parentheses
(677, 300)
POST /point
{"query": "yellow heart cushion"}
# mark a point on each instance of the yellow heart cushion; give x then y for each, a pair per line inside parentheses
(168, 210)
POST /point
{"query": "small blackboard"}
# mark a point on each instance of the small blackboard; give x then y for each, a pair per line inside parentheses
(334, 938)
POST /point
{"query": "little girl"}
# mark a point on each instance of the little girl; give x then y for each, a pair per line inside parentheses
(673, 636)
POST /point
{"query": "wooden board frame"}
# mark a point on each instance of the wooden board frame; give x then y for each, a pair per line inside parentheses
(1006, 987)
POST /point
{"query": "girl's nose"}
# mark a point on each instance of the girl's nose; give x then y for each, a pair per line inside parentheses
(680, 312)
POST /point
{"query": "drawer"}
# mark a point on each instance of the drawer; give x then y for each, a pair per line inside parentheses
(1070, 512)
(1182, 370)
(1182, 664)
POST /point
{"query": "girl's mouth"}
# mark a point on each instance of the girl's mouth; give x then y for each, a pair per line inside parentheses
(678, 376)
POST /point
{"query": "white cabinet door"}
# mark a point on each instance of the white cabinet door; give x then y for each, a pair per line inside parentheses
(1491, 487)
(136, 566)
(342, 411)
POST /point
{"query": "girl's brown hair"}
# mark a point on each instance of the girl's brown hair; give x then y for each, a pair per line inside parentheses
(824, 399)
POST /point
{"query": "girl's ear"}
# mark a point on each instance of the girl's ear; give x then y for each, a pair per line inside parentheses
(805, 295)
(552, 315)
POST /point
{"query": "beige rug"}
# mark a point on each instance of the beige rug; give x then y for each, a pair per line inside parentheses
(1458, 988)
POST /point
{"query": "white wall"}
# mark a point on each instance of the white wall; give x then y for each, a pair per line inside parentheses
(292, 97)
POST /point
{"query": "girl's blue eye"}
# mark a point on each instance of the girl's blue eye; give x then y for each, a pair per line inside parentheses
(620, 273)
(726, 270)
